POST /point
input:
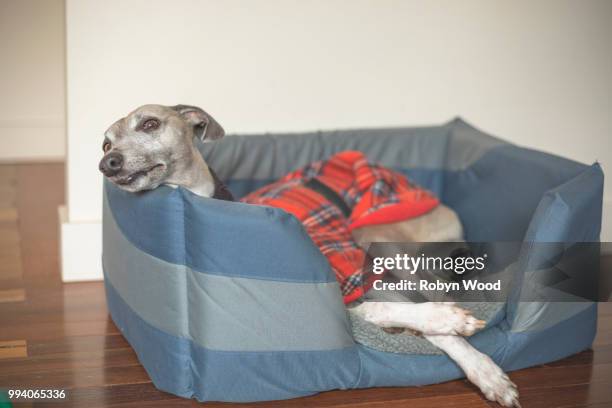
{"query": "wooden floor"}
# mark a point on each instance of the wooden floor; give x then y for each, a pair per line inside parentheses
(60, 336)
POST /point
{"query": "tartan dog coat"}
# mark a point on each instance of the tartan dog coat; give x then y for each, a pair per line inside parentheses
(332, 197)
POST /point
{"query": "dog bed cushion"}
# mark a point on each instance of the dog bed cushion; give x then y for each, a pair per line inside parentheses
(372, 336)
(226, 301)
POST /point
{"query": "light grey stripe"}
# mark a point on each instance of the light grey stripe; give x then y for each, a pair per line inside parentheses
(537, 316)
(223, 313)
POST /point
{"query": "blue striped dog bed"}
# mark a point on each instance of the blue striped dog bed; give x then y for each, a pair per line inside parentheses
(226, 301)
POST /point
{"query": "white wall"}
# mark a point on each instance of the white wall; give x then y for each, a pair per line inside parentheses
(536, 73)
(32, 65)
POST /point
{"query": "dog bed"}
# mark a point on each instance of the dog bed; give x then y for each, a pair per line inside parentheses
(226, 301)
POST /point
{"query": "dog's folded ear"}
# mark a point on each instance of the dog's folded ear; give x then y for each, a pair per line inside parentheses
(205, 127)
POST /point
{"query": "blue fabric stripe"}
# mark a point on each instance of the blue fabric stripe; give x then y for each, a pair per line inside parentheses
(179, 366)
(218, 237)
(160, 221)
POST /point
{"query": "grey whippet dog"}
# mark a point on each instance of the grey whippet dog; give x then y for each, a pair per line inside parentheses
(153, 145)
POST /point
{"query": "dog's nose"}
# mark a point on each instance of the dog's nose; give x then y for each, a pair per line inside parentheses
(111, 164)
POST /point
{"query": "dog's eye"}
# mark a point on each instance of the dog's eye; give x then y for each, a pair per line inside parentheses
(150, 124)
(106, 147)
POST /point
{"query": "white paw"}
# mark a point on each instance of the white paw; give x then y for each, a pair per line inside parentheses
(494, 383)
(446, 318)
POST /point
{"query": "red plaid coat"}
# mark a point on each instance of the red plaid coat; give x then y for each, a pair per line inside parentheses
(370, 194)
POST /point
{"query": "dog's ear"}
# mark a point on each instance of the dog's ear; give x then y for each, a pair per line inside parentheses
(205, 127)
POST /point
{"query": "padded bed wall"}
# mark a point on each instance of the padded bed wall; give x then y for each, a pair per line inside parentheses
(232, 302)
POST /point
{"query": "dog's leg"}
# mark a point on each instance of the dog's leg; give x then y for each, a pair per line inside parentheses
(427, 318)
(479, 369)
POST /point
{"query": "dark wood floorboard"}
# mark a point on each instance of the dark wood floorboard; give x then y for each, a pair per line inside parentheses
(55, 335)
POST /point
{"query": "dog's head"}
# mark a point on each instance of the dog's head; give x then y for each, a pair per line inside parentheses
(152, 144)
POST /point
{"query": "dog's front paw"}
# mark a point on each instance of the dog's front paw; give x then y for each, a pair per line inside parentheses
(446, 318)
(494, 383)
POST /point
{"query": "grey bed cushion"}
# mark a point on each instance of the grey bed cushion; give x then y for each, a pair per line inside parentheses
(374, 337)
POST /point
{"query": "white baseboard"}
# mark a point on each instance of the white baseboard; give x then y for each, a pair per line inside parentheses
(81, 249)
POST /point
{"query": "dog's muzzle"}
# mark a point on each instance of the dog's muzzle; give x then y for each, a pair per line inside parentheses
(111, 164)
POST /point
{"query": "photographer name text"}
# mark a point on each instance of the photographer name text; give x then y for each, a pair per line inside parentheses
(447, 287)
